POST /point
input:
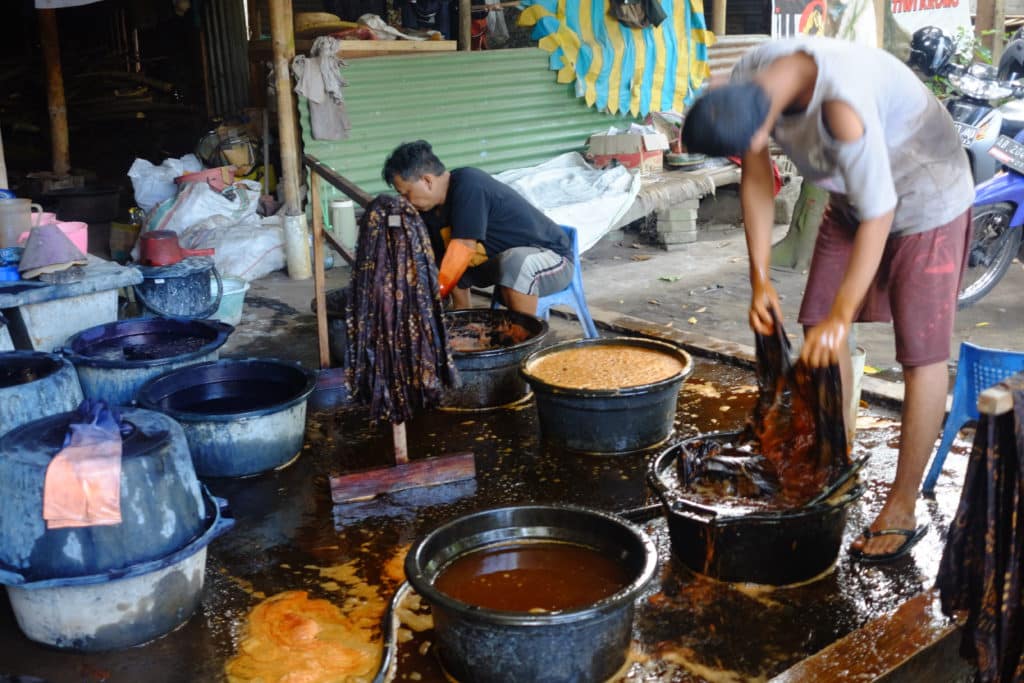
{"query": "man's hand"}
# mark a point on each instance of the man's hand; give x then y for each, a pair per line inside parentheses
(823, 342)
(763, 301)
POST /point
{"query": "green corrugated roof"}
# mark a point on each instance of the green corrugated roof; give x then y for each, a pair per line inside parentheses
(495, 110)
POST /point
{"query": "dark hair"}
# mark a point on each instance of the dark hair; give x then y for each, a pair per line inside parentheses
(411, 161)
(724, 120)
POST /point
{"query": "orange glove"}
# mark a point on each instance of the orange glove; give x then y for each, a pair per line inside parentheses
(456, 259)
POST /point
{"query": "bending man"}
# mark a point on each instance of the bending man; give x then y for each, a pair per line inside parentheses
(487, 232)
(893, 243)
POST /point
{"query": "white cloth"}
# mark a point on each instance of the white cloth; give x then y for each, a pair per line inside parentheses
(570, 191)
(318, 79)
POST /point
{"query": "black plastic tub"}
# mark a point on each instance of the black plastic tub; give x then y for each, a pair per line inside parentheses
(489, 369)
(241, 417)
(115, 359)
(608, 420)
(772, 547)
(579, 645)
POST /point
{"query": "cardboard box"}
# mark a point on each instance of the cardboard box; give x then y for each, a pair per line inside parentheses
(632, 150)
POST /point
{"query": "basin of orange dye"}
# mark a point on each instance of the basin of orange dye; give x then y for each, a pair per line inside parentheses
(293, 638)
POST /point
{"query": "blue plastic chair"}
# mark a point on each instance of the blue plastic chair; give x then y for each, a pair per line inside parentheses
(572, 296)
(977, 370)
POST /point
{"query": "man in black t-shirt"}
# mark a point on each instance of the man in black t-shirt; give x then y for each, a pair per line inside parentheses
(484, 232)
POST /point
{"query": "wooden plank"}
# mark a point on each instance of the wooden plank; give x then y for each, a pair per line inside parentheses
(997, 400)
(347, 47)
(427, 472)
(401, 445)
(319, 285)
(353, 191)
(50, 41)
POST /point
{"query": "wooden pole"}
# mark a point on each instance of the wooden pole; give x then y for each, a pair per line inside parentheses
(999, 29)
(283, 38)
(401, 443)
(50, 40)
(984, 22)
(718, 18)
(881, 6)
(318, 272)
(3, 166)
(465, 25)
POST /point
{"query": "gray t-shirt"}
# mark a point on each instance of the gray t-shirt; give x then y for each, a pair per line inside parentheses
(909, 157)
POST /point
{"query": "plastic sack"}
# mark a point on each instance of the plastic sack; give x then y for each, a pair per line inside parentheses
(154, 184)
(249, 249)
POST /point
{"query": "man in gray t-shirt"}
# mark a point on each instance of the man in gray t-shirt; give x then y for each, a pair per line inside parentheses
(893, 242)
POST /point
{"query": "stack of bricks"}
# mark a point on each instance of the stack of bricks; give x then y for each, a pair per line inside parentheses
(677, 226)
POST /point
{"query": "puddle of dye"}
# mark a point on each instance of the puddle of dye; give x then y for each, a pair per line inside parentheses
(532, 577)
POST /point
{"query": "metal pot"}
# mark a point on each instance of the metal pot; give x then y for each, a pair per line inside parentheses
(115, 359)
(241, 417)
(608, 420)
(776, 548)
(161, 502)
(490, 377)
(121, 608)
(191, 288)
(34, 384)
(479, 644)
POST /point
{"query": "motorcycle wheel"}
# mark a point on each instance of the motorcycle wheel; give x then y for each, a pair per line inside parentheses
(994, 245)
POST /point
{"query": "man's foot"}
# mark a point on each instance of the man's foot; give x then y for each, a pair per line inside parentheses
(906, 539)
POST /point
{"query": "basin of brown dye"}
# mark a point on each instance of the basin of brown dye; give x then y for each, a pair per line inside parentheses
(533, 577)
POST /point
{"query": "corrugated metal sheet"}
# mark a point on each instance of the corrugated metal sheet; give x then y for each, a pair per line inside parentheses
(494, 110)
(227, 65)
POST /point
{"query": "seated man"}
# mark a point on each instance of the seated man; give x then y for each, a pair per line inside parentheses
(488, 233)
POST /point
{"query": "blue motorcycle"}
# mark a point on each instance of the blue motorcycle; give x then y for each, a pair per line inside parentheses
(998, 217)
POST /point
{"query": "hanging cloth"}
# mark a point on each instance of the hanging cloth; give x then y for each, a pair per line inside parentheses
(982, 568)
(398, 359)
(318, 79)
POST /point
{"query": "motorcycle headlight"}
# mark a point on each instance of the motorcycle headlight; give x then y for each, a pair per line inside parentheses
(979, 88)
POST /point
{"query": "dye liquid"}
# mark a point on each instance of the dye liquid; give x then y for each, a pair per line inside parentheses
(533, 577)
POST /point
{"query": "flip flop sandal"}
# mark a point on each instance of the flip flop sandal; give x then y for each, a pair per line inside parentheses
(912, 536)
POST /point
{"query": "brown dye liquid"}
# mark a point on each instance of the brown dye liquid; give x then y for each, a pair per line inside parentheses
(605, 366)
(532, 577)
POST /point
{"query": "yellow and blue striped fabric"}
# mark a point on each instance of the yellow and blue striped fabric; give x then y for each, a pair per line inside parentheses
(621, 69)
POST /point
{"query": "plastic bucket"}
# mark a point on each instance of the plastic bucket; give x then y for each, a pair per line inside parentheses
(231, 301)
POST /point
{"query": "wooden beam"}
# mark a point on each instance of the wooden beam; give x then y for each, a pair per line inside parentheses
(50, 39)
(427, 472)
(465, 25)
(283, 40)
(319, 286)
(351, 190)
(881, 7)
(347, 47)
(718, 18)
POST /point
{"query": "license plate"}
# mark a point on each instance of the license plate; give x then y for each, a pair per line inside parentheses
(1008, 152)
(966, 133)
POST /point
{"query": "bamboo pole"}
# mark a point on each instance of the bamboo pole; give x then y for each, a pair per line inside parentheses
(465, 25)
(718, 18)
(283, 40)
(50, 40)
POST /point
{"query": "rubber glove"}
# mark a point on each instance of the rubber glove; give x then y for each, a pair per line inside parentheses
(456, 259)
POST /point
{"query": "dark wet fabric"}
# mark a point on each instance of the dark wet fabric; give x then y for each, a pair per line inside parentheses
(798, 419)
(398, 361)
(793, 447)
(980, 573)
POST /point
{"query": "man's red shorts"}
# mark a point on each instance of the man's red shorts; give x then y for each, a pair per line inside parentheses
(916, 285)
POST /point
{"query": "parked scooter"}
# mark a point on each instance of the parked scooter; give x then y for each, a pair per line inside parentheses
(997, 223)
(987, 102)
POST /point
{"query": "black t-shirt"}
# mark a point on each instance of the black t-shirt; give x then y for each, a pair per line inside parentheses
(478, 207)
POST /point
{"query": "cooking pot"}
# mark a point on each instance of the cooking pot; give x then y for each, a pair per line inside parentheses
(161, 248)
(161, 503)
(115, 359)
(123, 607)
(580, 645)
(618, 420)
(776, 547)
(241, 417)
(34, 384)
(490, 374)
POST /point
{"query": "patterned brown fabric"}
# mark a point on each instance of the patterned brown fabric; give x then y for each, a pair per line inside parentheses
(398, 360)
(981, 569)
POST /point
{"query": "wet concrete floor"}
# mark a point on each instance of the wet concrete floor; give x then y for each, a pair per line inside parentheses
(688, 628)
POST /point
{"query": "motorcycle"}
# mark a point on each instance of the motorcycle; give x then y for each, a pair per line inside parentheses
(997, 223)
(986, 103)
